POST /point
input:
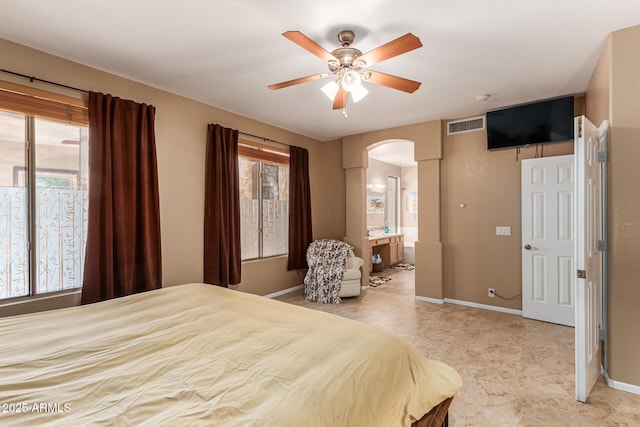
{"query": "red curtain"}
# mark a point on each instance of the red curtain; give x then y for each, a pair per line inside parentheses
(300, 231)
(222, 258)
(123, 254)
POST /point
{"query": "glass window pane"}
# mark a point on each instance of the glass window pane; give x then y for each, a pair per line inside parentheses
(275, 209)
(249, 214)
(61, 179)
(14, 256)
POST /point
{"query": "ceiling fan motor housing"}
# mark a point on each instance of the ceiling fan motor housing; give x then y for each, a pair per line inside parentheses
(345, 55)
(346, 38)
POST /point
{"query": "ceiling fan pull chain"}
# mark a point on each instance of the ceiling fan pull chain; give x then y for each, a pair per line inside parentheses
(344, 112)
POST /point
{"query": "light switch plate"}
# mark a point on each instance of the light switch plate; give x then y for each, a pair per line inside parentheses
(503, 231)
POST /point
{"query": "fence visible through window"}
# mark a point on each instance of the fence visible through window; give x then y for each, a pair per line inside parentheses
(264, 208)
(43, 205)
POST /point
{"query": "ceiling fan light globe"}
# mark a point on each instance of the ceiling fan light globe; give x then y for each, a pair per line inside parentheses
(358, 93)
(330, 89)
(351, 80)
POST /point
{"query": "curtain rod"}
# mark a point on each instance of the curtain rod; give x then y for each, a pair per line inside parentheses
(32, 79)
(264, 139)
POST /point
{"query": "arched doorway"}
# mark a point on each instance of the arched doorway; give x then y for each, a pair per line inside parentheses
(392, 177)
(427, 139)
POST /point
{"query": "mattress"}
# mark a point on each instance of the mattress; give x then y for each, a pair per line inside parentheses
(198, 354)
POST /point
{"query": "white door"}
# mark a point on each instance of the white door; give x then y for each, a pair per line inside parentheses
(589, 142)
(547, 239)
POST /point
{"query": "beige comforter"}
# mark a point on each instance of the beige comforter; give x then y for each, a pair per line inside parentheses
(204, 355)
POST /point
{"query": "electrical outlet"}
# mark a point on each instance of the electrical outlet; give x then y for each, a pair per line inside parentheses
(492, 293)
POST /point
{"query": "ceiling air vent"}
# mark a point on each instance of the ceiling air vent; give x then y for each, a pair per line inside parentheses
(466, 125)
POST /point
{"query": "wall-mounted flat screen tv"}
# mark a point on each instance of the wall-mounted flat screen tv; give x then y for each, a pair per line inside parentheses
(537, 123)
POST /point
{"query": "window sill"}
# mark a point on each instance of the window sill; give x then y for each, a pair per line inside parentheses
(254, 260)
(32, 304)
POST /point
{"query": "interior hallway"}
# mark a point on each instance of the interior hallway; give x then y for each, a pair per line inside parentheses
(516, 371)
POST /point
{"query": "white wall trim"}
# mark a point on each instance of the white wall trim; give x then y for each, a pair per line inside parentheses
(431, 300)
(618, 385)
(284, 291)
(469, 304)
(484, 306)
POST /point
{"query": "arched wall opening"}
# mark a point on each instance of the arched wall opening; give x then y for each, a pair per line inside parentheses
(427, 140)
(392, 176)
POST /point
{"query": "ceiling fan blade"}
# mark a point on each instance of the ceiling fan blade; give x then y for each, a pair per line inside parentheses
(394, 82)
(306, 43)
(297, 81)
(396, 47)
(340, 100)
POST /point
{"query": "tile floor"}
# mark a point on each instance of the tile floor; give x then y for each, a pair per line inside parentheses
(516, 371)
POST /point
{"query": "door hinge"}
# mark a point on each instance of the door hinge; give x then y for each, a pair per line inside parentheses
(602, 156)
(602, 334)
(601, 245)
(582, 274)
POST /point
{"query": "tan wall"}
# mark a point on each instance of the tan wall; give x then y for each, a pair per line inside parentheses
(598, 96)
(181, 126)
(618, 71)
(488, 184)
(328, 191)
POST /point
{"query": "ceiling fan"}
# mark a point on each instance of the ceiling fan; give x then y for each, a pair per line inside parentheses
(347, 64)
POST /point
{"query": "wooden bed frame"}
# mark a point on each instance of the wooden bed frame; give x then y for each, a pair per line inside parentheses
(436, 417)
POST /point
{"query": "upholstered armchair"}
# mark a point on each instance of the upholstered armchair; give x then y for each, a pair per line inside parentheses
(350, 284)
(333, 273)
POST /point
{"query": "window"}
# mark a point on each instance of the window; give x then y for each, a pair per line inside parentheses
(43, 196)
(264, 201)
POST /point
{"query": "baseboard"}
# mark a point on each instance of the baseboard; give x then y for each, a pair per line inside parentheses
(618, 385)
(484, 306)
(284, 291)
(297, 288)
(431, 300)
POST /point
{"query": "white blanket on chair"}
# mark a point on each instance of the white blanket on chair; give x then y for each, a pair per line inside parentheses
(326, 259)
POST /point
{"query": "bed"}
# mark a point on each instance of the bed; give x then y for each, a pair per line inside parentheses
(198, 354)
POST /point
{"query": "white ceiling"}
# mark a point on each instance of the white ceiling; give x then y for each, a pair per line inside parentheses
(226, 53)
(395, 152)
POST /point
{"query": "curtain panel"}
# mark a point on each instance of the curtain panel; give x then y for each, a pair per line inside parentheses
(222, 257)
(123, 253)
(300, 230)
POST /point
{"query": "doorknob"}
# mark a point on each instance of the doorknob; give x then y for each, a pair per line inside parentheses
(527, 246)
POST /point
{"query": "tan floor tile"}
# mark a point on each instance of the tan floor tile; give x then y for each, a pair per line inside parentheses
(516, 371)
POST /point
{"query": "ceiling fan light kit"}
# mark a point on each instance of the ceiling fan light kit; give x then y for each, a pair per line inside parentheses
(358, 92)
(330, 89)
(346, 66)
